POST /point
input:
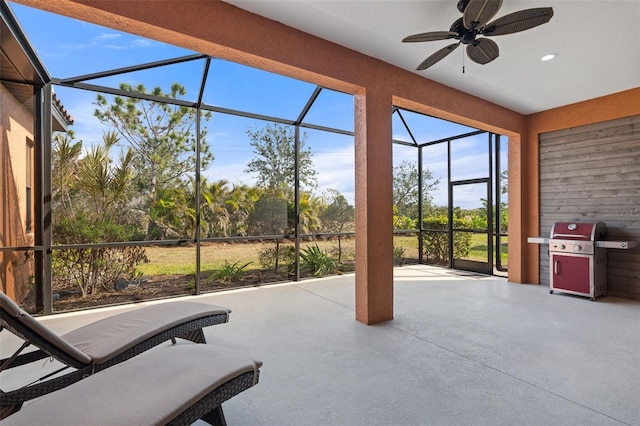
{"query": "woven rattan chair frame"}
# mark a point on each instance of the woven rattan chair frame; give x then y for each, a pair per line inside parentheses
(11, 401)
(209, 408)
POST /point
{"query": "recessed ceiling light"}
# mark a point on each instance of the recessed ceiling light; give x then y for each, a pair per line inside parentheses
(549, 57)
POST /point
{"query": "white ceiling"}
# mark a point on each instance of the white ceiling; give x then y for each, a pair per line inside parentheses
(598, 42)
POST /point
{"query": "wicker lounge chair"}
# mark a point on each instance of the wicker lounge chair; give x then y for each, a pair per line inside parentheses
(97, 345)
(170, 384)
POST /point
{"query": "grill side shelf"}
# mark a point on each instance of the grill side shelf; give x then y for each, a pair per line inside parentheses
(538, 240)
(624, 245)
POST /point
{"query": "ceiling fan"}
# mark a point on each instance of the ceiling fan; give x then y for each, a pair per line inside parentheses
(475, 22)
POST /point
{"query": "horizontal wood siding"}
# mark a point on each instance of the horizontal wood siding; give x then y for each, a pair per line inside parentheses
(592, 173)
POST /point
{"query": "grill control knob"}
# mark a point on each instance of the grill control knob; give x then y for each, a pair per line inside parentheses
(577, 248)
(562, 247)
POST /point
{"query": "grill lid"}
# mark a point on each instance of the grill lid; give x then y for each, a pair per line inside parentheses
(583, 231)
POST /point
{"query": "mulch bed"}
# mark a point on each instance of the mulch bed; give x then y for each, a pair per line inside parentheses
(157, 287)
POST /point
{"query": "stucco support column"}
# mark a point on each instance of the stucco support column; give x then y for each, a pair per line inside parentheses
(523, 208)
(374, 211)
(518, 211)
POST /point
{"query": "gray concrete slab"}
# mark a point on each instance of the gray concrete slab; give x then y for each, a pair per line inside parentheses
(462, 350)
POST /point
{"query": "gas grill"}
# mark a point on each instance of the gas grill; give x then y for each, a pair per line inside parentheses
(578, 257)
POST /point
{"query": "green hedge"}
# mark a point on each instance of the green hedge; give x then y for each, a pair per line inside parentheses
(435, 240)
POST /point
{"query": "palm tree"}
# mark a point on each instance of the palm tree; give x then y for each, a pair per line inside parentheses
(215, 215)
(240, 204)
(309, 213)
(106, 185)
(65, 155)
(173, 214)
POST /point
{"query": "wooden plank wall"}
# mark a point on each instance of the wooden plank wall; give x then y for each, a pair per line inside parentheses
(592, 173)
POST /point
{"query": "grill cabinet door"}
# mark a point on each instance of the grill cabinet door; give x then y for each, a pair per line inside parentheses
(571, 273)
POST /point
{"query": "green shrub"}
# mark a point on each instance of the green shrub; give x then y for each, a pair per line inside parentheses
(93, 269)
(401, 221)
(230, 272)
(479, 220)
(435, 240)
(267, 257)
(398, 255)
(317, 262)
(271, 256)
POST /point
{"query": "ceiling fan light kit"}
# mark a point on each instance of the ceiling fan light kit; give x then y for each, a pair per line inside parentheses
(475, 22)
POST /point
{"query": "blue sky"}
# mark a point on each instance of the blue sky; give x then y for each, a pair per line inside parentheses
(71, 48)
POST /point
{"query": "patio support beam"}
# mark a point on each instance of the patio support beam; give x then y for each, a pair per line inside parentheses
(374, 213)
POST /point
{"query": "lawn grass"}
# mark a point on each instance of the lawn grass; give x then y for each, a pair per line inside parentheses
(171, 270)
(478, 249)
(165, 260)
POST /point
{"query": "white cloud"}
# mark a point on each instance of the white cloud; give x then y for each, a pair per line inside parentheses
(107, 41)
(231, 172)
(133, 44)
(73, 46)
(140, 42)
(336, 170)
(108, 36)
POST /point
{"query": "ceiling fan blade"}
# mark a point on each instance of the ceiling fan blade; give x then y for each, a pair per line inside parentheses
(430, 36)
(479, 12)
(518, 21)
(438, 56)
(483, 51)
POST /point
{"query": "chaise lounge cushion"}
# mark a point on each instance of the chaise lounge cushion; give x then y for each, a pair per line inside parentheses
(105, 338)
(102, 340)
(32, 324)
(150, 389)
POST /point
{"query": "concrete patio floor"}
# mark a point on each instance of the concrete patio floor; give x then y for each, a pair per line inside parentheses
(463, 349)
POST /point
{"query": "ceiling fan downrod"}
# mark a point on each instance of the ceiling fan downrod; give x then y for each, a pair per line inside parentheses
(463, 54)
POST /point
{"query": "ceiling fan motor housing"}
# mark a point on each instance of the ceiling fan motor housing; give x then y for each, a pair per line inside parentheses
(466, 35)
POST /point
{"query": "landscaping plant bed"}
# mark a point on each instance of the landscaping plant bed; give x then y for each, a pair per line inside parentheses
(156, 287)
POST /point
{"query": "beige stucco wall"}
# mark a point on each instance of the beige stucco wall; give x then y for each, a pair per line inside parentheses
(16, 124)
